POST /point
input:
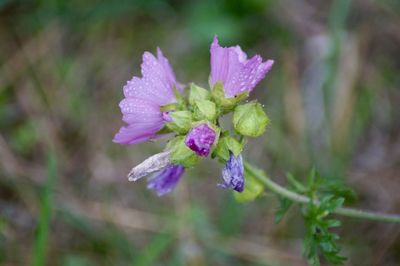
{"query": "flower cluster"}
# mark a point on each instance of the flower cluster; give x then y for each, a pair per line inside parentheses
(156, 105)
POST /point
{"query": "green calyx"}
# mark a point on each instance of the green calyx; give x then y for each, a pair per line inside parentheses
(250, 119)
(207, 106)
(180, 153)
(226, 104)
(181, 121)
(225, 145)
(197, 93)
(205, 109)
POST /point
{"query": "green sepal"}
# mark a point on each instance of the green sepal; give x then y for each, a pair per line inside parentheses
(164, 130)
(252, 187)
(226, 144)
(180, 153)
(169, 107)
(197, 93)
(250, 119)
(180, 99)
(227, 104)
(205, 109)
(181, 121)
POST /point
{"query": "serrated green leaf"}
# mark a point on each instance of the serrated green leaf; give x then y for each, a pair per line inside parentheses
(311, 179)
(297, 186)
(318, 237)
(283, 208)
(250, 119)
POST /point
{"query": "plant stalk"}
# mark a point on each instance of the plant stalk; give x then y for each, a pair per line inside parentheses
(349, 212)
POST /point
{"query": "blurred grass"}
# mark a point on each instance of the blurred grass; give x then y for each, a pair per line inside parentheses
(153, 250)
(46, 201)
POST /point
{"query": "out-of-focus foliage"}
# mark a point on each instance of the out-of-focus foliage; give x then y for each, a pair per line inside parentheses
(332, 97)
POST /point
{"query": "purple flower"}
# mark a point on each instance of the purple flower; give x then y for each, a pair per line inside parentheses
(238, 74)
(200, 139)
(233, 173)
(143, 99)
(166, 180)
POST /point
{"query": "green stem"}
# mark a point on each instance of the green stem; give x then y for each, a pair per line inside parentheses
(350, 212)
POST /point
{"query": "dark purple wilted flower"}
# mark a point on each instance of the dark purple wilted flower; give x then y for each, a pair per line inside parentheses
(200, 139)
(166, 180)
(143, 99)
(233, 173)
(238, 74)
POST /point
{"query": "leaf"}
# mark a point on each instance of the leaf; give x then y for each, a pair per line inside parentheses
(333, 223)
(299, 187)
(284, 206)
(318, 238)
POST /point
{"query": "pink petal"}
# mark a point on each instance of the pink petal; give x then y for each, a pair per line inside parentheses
(250, 74)
(157, 82)
(138, 110)
(242, 56)
(238, 74)
(136, 133)
(144, 119)
(168, 70)
(224, 63)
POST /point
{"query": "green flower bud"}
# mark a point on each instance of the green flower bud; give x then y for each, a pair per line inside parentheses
(253, 187)
(197, 93)
(250, 119)
(205, 109)
(227, 104)
(225, 144)
(180, 99)
(168, 107)
(180, 153)
(181, 121)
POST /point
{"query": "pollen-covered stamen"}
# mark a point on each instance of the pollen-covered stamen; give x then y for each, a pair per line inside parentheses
(233, 173)
(200, 139)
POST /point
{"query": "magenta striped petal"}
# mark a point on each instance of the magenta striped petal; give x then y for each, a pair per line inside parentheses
(143, 99)
(238, 74)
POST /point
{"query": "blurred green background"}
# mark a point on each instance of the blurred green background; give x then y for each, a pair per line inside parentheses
(333, 97)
